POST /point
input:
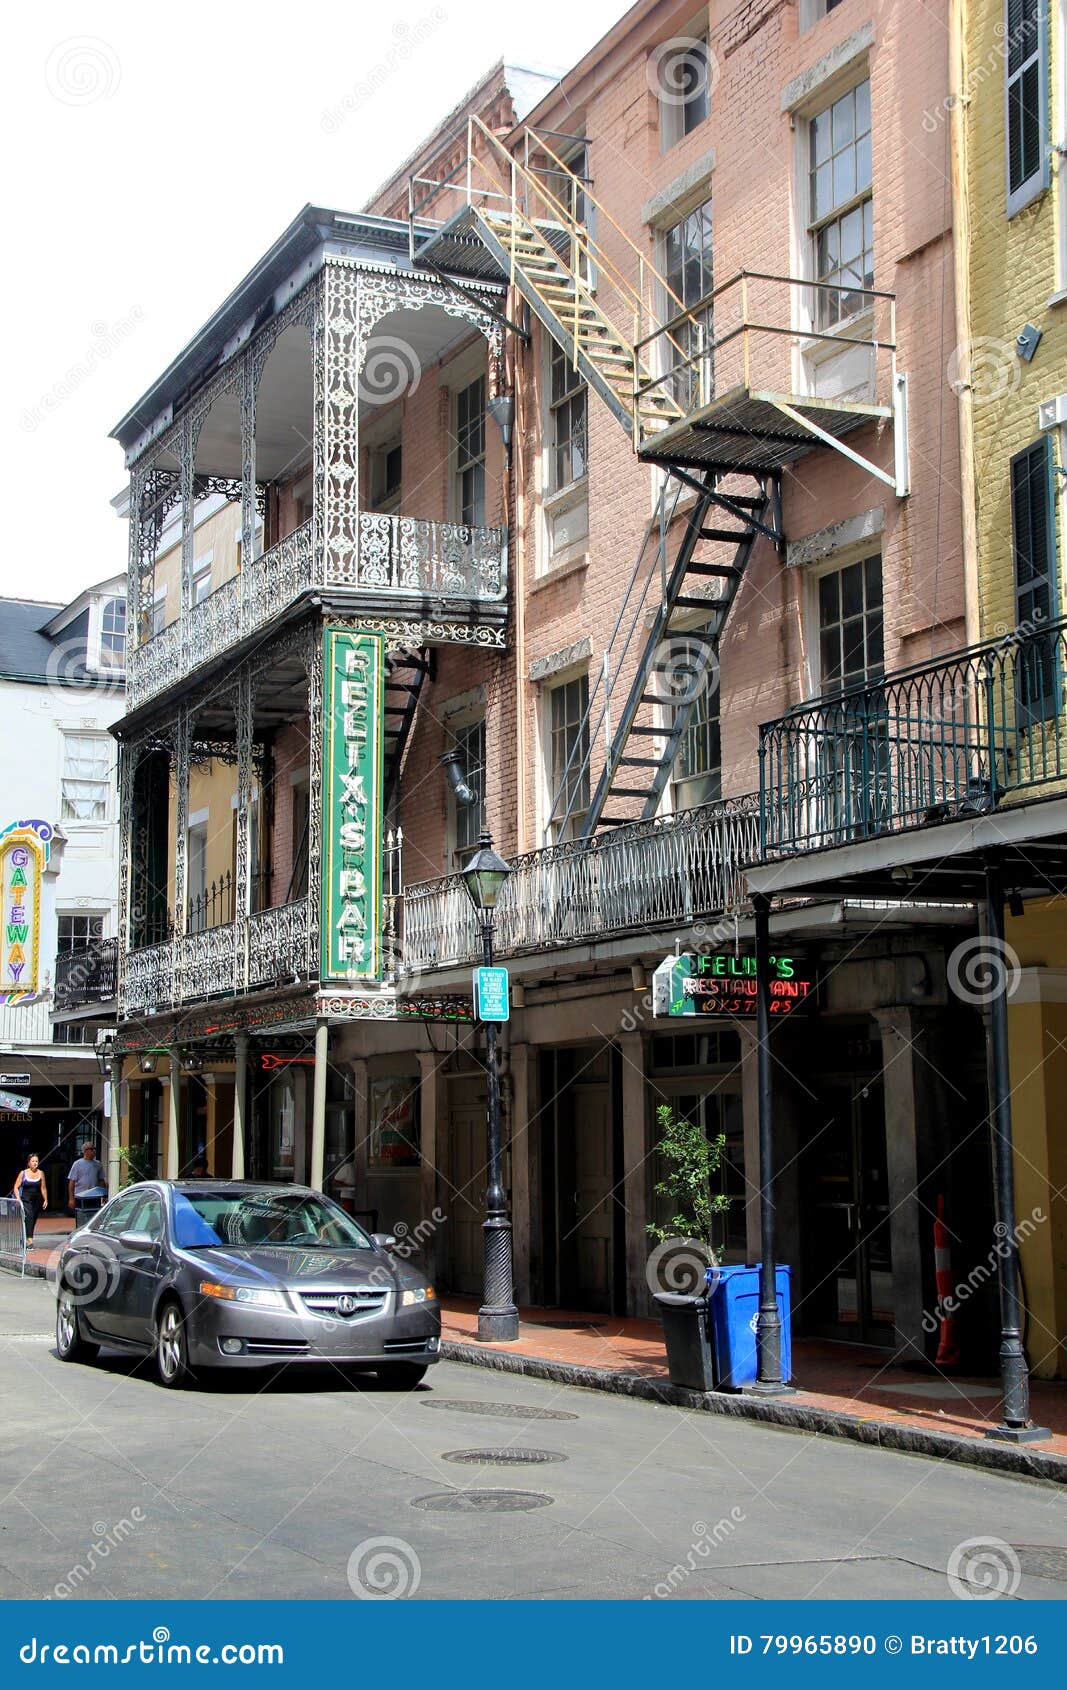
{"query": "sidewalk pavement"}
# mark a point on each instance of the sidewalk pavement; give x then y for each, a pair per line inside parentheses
(843, 1390)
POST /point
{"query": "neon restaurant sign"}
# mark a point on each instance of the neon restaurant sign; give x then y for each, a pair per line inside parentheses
(720, 983)
(24, 851)
(351, 924)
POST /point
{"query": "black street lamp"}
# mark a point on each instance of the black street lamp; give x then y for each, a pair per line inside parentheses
(498, 1318)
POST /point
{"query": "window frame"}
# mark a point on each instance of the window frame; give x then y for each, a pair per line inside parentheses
(1032, 186)
(459, 730)
(560, 685)
(673, 113)
(1039, 451)
(384, 502)
(111, 640)
(817, 687)
(202, 571)
(89, 938)
(467, 461)
(815, 226)
(578, 389)
(69, 735)
(702, 206)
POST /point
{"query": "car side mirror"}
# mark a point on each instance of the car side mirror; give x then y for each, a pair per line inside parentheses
(384, 1240)
(137, 1240)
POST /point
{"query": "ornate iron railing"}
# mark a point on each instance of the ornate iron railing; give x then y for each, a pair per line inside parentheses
(243, 955)
(645, 875)
(412, 556)
(953, 737)
(87, 975)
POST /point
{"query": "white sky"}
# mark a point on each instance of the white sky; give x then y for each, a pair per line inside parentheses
(153, 155)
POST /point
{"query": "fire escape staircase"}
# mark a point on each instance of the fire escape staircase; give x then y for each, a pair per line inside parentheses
(719, 455)
(406, 673)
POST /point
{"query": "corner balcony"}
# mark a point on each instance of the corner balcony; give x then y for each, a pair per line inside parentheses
(87, 976)
(252, 953)
(633, 879)
(402, 567)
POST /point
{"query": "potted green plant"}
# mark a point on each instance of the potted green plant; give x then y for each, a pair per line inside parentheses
(685, 1243)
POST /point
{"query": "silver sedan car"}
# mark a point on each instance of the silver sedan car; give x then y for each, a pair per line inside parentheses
(225, 1273)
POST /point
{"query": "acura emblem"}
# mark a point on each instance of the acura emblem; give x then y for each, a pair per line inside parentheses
(346, 1304)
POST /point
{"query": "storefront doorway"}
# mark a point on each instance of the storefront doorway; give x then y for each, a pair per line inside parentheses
(580, 1144)
(467, 1179)
(848, 1268)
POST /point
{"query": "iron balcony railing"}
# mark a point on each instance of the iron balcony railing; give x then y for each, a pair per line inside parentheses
(397, 556)
(266, 948)
(955, 736)
(644, 875)
(87, 975)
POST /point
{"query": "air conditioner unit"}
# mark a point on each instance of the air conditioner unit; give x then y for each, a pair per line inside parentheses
(1053, 413)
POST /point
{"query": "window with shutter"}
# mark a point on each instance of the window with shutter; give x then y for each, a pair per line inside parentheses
(1033, 550)
(1026, 96)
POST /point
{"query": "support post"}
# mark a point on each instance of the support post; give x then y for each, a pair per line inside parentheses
(498, 1318)
(240, 1105)
(318, 1108)
(769, 1381)
(170, 1165)
(1016, 1425)
(114, 1161)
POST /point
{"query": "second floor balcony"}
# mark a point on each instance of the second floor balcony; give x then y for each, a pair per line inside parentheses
(87, 976)
(638, 878)
(959, 737)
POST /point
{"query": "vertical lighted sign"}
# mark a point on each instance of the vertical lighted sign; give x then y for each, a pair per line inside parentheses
(351, 925)
(24, 850)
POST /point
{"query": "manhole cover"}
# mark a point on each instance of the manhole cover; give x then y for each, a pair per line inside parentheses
(503, 1457)
(1043, 1560)
(482, 1501)
(507, 1410)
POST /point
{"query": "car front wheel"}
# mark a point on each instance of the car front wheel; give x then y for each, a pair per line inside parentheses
(70, 1345)
(172, 1348)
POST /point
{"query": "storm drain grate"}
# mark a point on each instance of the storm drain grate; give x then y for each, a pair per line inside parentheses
(1042, 1560)
(503, 1457)
(508, 1410)
(482, 1501)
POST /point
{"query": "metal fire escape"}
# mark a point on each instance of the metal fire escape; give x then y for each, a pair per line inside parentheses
(720, 446)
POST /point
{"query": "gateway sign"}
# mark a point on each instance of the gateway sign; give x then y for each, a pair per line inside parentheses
(351, 923)
(720, 983)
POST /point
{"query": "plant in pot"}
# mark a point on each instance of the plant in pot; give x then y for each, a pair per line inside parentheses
(678, 1268)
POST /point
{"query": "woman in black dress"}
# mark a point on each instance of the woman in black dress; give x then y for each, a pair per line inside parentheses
(32, 1189)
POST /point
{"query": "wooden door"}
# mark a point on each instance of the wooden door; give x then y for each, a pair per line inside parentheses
(586, 1232)
(466, 1197)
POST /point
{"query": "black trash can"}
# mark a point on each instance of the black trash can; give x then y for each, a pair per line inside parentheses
(86, 1207)
(688, 1339)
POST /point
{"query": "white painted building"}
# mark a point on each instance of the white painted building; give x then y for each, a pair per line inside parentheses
(62, 681)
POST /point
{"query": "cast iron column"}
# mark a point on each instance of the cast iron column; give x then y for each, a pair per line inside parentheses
(498, 1318)
(769, 1381)
(1014, 1373)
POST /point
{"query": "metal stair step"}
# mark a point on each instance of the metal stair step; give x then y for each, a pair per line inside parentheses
(628, 791)
(688, 601)
(734, 534)
(639, 762)
(726, 570)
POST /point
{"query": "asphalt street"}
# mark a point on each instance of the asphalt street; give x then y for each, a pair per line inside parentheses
(305, 1484)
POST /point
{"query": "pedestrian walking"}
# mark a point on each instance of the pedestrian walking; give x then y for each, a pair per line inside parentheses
(86, 1187)
(31, 1188)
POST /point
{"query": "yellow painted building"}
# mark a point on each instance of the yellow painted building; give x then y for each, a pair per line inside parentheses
(1010, 118)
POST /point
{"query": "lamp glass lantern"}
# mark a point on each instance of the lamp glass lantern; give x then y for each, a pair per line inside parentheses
(484, 876)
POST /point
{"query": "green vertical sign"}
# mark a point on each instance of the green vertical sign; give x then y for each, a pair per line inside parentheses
(351, 925)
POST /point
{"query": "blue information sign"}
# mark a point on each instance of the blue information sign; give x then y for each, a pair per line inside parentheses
(491, 994)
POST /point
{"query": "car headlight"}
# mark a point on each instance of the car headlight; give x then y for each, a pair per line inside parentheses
(426, 1294)
(263, 1299)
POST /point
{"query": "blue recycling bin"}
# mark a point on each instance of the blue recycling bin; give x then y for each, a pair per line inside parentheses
(733, 1311)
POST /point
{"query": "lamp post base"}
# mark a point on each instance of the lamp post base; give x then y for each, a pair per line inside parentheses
(498, 1326)
(1019, 1434)
(769, 1388)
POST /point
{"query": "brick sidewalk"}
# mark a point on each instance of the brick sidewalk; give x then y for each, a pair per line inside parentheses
(844, 1379)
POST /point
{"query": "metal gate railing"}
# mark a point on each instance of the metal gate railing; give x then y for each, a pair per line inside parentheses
(12, 1234)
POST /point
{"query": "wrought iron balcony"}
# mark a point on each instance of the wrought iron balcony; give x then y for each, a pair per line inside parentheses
(88, 975)
(953, 737)
(642, 876)
(253, 952)
(399, 562)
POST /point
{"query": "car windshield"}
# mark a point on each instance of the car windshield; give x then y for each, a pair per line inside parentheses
(207, 1219)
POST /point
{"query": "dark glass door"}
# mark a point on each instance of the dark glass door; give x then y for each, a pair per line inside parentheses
(848, 1264)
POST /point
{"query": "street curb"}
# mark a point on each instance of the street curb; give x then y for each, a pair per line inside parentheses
(1016, 1460)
